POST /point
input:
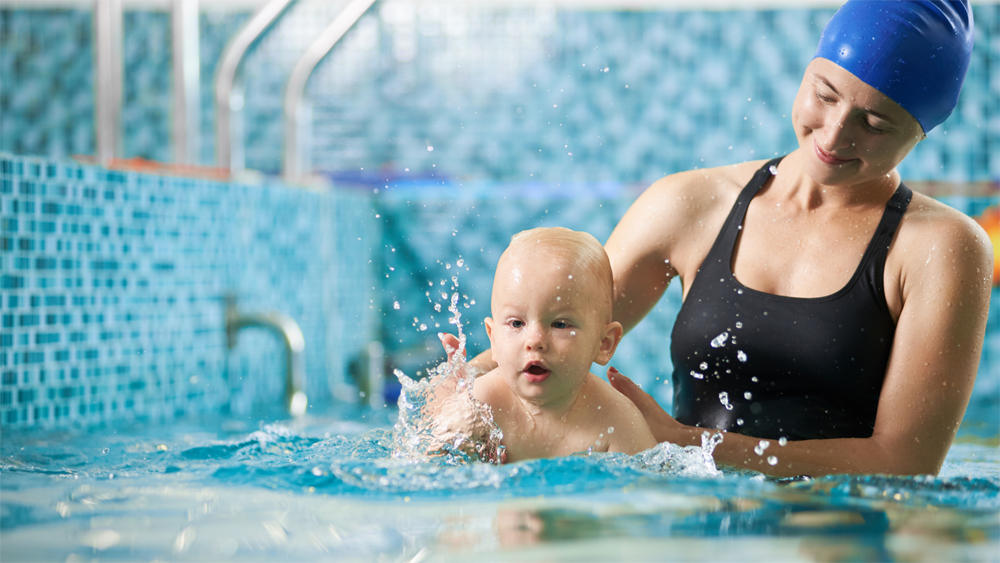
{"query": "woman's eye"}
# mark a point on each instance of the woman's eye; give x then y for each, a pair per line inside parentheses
(873, 129)
(823, 98)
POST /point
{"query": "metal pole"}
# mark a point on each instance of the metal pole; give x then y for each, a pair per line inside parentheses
(226, 76)
(108, 51)
(187, 85)
(295, 115)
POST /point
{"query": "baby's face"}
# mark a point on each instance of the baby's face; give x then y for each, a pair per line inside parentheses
(549, 324)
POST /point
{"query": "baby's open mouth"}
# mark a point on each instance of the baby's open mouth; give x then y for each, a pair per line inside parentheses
(536, 373)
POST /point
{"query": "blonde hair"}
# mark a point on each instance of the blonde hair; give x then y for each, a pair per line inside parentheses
(581, 250)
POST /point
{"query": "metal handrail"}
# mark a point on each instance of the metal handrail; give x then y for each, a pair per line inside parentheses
(226, 76)
(109, 80)
(187, 96)
(293, 165)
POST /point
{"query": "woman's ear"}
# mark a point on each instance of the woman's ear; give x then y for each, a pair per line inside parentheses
(613, 332)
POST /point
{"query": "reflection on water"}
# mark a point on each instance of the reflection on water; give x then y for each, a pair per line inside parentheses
(320, 489)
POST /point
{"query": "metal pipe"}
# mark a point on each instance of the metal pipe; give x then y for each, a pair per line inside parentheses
(108, 52)
(226, 76)
(296, 116)
(284, 326)
(187, 91)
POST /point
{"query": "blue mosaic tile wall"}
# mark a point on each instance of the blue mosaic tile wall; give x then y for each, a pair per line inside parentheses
(111, 287)
(513, 94)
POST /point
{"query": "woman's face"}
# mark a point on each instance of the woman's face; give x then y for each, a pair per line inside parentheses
(849, 132)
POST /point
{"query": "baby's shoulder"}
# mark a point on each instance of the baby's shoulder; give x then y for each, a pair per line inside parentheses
(491, 389)
(607, 404)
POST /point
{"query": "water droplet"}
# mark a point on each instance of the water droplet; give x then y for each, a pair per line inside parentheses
(741, 355)
(437, 307)
(782, 441)
(317, 471)
(739, 422)
(739, 325)
(105, 450)
(773, 170)
(570, 276)
(423, 327)
(704, 365)
(611, 429)
(720, 340)
(772, 460)
(697, 375)
(395, 305)
(761, 446)
(748, 395)
(754, 379)
(572, 333)
(724, 399)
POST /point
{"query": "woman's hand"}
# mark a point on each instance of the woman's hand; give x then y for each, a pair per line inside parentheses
(664, 427)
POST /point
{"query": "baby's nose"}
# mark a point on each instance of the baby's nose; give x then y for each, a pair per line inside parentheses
(536, 339)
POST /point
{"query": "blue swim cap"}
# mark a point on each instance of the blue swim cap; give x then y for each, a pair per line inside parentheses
(914, 52)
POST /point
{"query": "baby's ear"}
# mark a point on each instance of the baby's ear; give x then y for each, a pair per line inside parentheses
(613, 332)
(488, 322)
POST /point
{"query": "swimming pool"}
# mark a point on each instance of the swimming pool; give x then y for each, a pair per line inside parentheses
(267, 488)
(257, 486)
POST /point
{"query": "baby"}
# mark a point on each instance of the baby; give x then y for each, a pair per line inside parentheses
(551, 309)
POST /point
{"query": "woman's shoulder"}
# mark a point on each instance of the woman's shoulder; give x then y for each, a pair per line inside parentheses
(708, 182)
(930, 229)
(931, 222)
(694, 197)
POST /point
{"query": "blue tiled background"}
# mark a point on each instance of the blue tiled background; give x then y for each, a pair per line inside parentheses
(446, 128)
(111, 289)
(500, 93)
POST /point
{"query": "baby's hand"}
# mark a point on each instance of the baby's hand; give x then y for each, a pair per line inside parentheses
(440, 416)
(460, 421)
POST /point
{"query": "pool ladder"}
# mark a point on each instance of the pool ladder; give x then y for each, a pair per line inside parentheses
(290, 333)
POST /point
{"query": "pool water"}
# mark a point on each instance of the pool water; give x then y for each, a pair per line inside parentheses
(328, 487)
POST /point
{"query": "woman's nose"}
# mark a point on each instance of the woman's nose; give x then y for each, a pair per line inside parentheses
(836, 132)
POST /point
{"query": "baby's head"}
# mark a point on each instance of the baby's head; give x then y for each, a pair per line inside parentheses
(552, 301)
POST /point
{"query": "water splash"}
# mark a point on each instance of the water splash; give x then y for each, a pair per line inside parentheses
(724, 399)
(438, 415)
(720, 340)
(761, 446)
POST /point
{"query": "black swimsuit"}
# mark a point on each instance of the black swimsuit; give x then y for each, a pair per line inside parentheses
(771, 366)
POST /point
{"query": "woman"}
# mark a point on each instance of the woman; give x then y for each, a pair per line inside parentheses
(823, 301)
(827, 309)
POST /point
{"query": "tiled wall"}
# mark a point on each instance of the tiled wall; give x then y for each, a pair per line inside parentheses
(111, 287)
(505, 93)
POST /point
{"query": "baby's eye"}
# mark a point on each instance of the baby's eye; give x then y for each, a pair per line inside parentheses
(560, 324)
(517, 323)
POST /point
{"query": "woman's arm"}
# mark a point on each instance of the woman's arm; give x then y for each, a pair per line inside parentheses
(667, 232)
(640, 257)
(944, 285)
